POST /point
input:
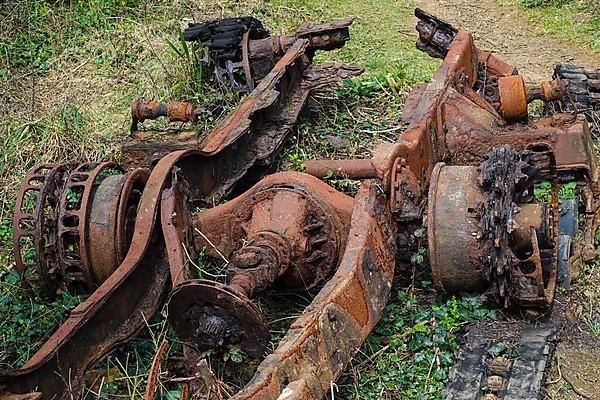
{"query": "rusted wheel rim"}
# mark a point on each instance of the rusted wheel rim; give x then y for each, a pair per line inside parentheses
(456, 256)
(127, 210)
(200, 308)
(40, 225)
(73, 222)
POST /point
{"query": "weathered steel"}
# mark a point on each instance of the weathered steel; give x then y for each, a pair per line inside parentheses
(142, 110)
(435, 34)
(210, 315)
(323, 340)
(111, 221)
(483, 237)
(452, 230)
(35, 220)
(477, 375)
(292, 232)
(287, 232)
(353, 169)
(242, 44)
(513, 97)
(253, 133)
(113, 314)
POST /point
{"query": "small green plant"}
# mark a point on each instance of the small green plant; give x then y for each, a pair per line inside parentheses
(234, 354)
(544, 3)
(5, 239)
(567, 191)
(542, 192)
(190, 63)
(27, 321)
(411, 350)
(387, 83)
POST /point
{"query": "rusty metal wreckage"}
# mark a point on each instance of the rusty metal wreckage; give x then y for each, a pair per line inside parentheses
(467, 161)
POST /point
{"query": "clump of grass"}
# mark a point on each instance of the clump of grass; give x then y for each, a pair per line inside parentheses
(577, 21)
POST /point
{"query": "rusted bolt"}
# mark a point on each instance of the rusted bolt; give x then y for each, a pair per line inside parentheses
(142, 109)
(499, 365)
(548, 91)
(494, 383)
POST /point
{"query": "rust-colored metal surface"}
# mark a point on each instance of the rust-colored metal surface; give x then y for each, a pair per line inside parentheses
(113, 314)
(142, 110)
(80, 223)
(475, 105)
(484, 235)
(34, 222)
(468, 161)
(323, 340)
(254, 132)
(353, 169)
(513, 97)
(286, 232)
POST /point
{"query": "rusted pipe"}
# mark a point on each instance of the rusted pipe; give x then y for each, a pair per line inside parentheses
(142, 109)
(548, 91)
(353, 169)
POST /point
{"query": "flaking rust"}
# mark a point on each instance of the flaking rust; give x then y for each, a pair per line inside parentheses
(468, 161)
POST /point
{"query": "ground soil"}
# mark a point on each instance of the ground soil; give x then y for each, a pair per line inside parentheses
(574, 374)
(503, 31)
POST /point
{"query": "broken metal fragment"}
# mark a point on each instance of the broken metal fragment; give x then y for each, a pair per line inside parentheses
(242, 44)
(478, 375)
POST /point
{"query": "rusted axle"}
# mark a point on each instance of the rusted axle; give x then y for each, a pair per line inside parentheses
(353, 169)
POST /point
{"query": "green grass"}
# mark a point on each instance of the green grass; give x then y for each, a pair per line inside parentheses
(574, 21)
(26, 321)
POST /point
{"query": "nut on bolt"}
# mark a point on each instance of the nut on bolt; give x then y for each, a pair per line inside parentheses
(494, 383)
(499, 365)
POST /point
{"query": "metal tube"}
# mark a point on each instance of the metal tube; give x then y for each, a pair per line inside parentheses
(354, 169)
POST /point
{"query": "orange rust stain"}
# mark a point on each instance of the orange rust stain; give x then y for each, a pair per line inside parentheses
(353, 302)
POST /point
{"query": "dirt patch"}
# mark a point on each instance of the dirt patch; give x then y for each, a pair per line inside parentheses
(503, 31)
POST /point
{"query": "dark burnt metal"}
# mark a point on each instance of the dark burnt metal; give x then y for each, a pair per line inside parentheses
(484, 237)
(241, 46)
(225, 43)
(210, 315)
(435, 34)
